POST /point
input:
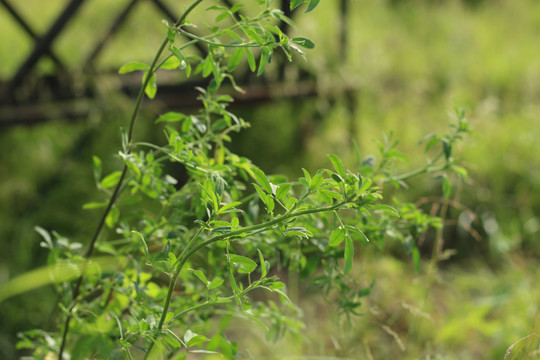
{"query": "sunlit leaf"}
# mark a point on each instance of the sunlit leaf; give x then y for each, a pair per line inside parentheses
(246, 264)
(304, 42)
(132, 66)
(336, 237)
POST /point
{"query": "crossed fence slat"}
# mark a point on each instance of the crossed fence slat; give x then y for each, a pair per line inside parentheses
(43, 44)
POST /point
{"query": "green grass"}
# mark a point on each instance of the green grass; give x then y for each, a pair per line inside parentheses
(467, 311)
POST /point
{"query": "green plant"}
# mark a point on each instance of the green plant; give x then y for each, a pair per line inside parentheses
(181, 258)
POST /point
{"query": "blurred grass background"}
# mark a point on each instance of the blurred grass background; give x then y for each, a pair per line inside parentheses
(408, 62)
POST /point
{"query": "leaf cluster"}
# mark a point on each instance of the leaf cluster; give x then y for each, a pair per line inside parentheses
(182, 254)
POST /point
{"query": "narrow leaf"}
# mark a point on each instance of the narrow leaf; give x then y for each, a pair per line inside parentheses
(151, 88)
(201, 276)
(264, 271)
(304, 42)
(246, 264)
(265, 56)
(337, 237)
(235, 59)
(385, 208)
(295, 3)
(94, 205)
(111, 179)
(171, 63)
(312, 5)
(349, 254)
(139, 236)
(338, 165)
(262, 180)
(447, 188)
(215, 283)
(307, 176)
(132, 66)
(171, 116)
(251, 60)
(283, 190)
(229, 206)
(208, 65)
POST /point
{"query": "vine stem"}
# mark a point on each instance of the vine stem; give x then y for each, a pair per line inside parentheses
(151, 71)
(187, 253)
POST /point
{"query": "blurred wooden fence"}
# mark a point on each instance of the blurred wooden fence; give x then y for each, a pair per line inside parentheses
(20, 94)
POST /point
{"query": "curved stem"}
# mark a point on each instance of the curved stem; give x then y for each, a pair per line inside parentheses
(248, 229)
(230, 45)
(116, 191)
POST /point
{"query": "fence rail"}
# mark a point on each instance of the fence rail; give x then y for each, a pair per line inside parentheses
(18, 104)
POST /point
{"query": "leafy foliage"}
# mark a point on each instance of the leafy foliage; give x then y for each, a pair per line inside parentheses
(180, 254)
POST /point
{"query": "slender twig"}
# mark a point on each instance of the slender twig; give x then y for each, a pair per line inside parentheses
(232, 45)
(116, 191)
(232, 234)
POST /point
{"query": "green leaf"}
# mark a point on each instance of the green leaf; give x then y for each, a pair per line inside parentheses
(111, 179)
(228, 207)
(222, 229)
(94, 205)
(215, 283)
(336, 237)
(171, 34)
(312, 5)
(112, 217)
(193, 339)
(139, 236)
(265, 56)
(182, 58)
(96, 163)
(235, 59)
(246, 264)
(261, 193)
(447, 149)
(232, 281)
(349, 254)
(461, 171)
(283, 190)
(45, 235)
(251, 60)
(151, 88)
(304, 42)
(317, 181)
(324, 197)
(171, 116)
(208, 66)
(366, 183)
(385, 208)
(264, 271)
(222, 17)
(307, 177)
(332, 194)
(353, 229)
(447, 187)
(262, 180)
(270, 204)
(299, 231)
(171, 63)
(295, 3)
(233, 35)
(201, 276)
(132, 66)
(234, 223)
(338, 165)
